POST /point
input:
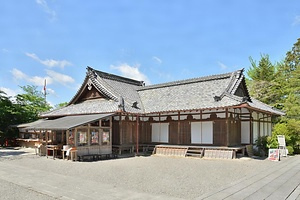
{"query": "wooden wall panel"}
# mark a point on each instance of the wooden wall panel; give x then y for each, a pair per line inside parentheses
(127, 130)
(185, 132)
(145, 133)
(116, 132)
(219, 133)
(173, 132)
(234, 133)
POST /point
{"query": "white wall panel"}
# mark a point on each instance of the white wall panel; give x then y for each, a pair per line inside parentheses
(195, 132)
(245, 132)
(164, 134)
(269, 129)
(255, 131)
(155, 132)
(266, 128)
(261, 129)
(160, 132)
(207, 132)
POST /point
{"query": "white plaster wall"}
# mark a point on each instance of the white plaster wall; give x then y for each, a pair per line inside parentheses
(155, 132)
(245, 132)
(160, 132)
(207, 132)
(164, 134)
(195, 132)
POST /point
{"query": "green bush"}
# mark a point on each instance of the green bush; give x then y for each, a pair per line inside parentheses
(290, 128)
(290, 149)
(262, 145)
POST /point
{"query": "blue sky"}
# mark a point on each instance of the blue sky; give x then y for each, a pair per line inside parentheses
(155, 40)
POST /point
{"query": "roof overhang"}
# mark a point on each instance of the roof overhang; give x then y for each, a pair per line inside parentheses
(269, 110)
(67, 122)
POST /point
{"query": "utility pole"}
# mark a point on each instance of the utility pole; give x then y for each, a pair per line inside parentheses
(45, 93)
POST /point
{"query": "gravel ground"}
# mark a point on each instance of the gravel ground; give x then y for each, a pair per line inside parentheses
(185, 178)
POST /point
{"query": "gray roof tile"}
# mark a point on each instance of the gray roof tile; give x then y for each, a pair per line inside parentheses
(190, 94)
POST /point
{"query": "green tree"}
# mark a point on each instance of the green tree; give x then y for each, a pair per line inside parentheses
(261, 82)
(279, 85)
(264, 71)
(32, 103)
(25, 108)
(60, 105)
(288, 76)
(9, 115)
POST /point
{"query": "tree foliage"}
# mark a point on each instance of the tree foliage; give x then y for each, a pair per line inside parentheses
(32, 103)
(60, 105)
(279, 85)
(262, 83)
(25, 108)
(265, 70)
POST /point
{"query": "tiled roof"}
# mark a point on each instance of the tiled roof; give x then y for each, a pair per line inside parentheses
(217, 91)
(86, 107)
(188, 94)
(262, 106)
(67, 122)
(121, 87)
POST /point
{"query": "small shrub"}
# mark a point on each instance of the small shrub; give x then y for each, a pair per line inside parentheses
(290, 149)
(262, 145)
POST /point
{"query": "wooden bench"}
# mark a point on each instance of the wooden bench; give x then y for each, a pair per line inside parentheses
(96, 157)
(124, 147)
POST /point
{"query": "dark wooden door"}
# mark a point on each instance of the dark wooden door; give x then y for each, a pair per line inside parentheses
(219, 133)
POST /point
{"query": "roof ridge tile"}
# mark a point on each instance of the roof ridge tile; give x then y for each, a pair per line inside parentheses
(188, 81)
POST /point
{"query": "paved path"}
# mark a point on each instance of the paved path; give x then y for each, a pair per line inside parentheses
(280, 182)
(57, 186)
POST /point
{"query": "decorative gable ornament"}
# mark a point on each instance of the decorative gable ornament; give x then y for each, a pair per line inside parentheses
(89, 84)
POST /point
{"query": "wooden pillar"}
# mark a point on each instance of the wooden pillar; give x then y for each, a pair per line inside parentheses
(251, 127)
(178, 130)
(47, 137)
(67, 136)
(110, 129)
(75, 137)
(227, 127)
(89, 134)
(121, 129)
(137, 134)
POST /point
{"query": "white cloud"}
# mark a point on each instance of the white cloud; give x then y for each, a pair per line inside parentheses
(9, 92)
(49, 62)
(36, 80)
(222, 66)
(60, 78)
(296, 20)
(156, 59)
(50, 91)
(47, 9)
(53, 77)
(39, 81)
(132, 72)
(17, 74)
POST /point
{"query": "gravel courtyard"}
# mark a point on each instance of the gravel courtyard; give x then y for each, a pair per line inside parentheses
(158, 177)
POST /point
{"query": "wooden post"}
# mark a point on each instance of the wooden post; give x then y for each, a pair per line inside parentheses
(67, 136)
(251, 127)
(137, 134)
(75, 137)
(89, 134)
(120, 129)
(110, 130)
(178, 130)
(159, 127)
(227, 128)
